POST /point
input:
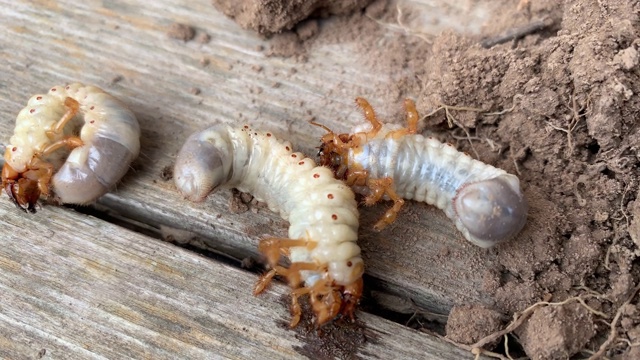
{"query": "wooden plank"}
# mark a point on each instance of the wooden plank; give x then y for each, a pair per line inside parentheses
(73, 286)
(48, 43)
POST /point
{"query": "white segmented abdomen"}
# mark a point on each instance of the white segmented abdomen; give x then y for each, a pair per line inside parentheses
(318, 207)
(109, 132)
(485, 202)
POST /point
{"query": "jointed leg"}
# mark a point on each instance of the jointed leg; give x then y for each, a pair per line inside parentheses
(357, 177)
(72, 109)
(41, 172)
(412, 121)
(412, 116)
(271, 248)
(292, 274)
(379, 188)
(325, 301)
(71, 142)
(370, 115)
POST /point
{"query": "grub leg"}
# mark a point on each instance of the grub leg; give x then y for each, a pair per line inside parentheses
(370, 115)
(271, 248)
(379, 188)
(412, 116)
(412, 121)
(357, 177)
(296, 310)
(72, 109)
(352, 294)
(292, 274)
(40, 172)
(70, 142)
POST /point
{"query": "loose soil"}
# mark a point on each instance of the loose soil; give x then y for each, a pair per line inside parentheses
(557, 105)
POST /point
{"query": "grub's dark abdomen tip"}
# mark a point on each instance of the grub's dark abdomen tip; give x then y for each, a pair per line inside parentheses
(493, 210)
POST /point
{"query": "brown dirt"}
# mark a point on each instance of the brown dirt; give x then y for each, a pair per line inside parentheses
(465, 329)
(181, 32)
(558, 107)
(273, 16)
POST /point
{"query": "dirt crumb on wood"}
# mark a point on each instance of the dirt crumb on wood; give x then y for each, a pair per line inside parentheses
(203, 38)
(286, 45)
(556, 332)
(273, 16)
(182, 32)
(470, 323)
(167, 173)
(239, 202)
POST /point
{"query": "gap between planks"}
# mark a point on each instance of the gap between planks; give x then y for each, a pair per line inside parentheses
(80, 287)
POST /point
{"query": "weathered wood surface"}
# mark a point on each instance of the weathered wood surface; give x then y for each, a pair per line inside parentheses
(122, 46)
(75, 287)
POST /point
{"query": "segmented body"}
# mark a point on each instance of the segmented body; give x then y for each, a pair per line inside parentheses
(486, 203)
(424, 169)
(109, 140)
(322, 211)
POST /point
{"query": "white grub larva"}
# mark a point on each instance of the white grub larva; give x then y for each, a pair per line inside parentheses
(72, 144)
(322, 212)
(378, 160)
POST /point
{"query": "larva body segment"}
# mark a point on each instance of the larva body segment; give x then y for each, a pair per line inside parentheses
(485, 202)
(322, 211)
(38, 161)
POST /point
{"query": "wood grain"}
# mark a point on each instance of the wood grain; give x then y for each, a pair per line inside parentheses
(122, 46)
(80, 288)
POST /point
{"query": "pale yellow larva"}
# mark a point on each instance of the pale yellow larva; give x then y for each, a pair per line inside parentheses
(102, 134)
(382, 160)
(322, 211)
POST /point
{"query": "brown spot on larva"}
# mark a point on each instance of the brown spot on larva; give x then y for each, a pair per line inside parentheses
(334, 216)
(287, 148)
(92, 121)
(32, 111)
(316, 175)
(14, 149)
(39, 98)
(349, 263)
(67, 87)
(54, 89)
(330, 196)
(92, 107)
(268, 134)
(449, 145)
(293, 155)
(246, 126)
(301, 163)
(255, 134)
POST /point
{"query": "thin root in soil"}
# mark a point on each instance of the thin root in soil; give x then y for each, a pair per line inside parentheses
(520, 318)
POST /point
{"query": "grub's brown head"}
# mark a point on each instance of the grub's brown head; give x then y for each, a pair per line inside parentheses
(342, 300)
(333, 151)
(22, 190)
